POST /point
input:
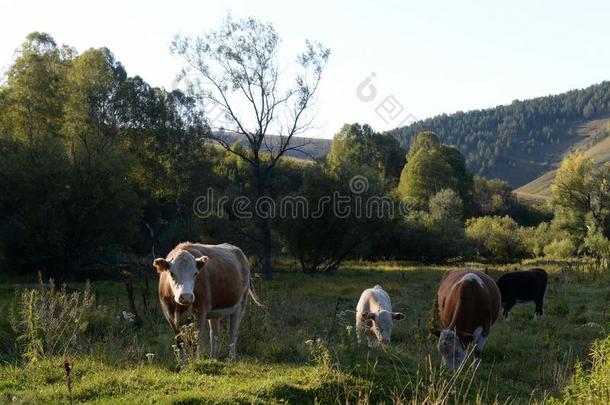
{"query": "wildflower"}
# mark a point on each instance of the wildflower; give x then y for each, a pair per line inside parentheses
(128, 316)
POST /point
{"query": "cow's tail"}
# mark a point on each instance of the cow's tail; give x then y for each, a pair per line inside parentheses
(251, 290)
(253, 295)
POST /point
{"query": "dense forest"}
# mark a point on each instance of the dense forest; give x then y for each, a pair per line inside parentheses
(515, 142)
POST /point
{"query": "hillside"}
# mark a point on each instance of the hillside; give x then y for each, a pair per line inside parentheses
(313, 148)
(521, 141)
(540, 188)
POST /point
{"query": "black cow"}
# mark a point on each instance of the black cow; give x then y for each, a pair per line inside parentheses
(523, 286)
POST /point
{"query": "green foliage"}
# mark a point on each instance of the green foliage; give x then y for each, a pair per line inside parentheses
(50, 322)
(432, 167)
(496, 237)
(560, 249)
(319, 232)
(88, 155)
(598, 247)
(581, 200)
(359, 146)
(589, 385)
(435, 234)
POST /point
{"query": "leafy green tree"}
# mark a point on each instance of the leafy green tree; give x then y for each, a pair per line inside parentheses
(84, 149)
(358, 145)
(34, 91)
(432, 167)
(581, 196)
(423, 141)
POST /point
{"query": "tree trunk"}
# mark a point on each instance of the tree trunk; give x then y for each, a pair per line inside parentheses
(266, 249)
(263, 223)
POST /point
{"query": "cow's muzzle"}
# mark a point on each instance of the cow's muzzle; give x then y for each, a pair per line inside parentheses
(186, 299)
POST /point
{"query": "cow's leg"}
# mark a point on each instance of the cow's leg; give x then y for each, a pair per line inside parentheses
(539, 308)
(202, 323)
(234, 321)
(214, 327)
(359, 328)
(371, 338)
(507, 307)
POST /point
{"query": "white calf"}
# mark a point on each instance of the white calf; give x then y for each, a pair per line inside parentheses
(374, 316)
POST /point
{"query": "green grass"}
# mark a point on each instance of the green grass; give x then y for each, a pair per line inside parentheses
(524, 360)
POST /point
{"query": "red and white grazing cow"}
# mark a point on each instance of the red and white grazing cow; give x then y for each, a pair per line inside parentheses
(469, 303)
(212, 281)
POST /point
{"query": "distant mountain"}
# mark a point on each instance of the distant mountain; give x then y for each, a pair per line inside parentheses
(313, 148)
(521, 141)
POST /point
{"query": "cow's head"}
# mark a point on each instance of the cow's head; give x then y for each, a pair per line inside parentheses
(453, 347)
(382, 323)
(183, 271)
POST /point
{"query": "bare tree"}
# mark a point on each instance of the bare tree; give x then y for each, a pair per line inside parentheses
(238, 74)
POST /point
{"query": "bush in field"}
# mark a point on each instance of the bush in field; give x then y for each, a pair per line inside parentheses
(536, 238)
(598, 247)
(496, 237)
(560, 249)
(592, 387)
(321, 235)
(49, 321)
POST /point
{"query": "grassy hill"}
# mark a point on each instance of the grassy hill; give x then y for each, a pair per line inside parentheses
(596, 144)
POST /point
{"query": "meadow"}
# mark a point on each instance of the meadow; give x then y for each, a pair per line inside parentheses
(300, 348)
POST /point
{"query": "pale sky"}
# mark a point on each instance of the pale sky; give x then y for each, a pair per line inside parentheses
(428, 57)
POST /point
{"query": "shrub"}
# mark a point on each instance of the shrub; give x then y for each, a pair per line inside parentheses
(560, 249)
(49, 322)
(496, 237)
(592, 387)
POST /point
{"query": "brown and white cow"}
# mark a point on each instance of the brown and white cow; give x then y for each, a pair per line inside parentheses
(469, 303)
(374, 316)
(211, 281)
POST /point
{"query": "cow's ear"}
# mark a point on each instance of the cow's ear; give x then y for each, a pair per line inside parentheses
(161, 264)
(366, 315)
(436, 332)
(200, 262)
(398, 316)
